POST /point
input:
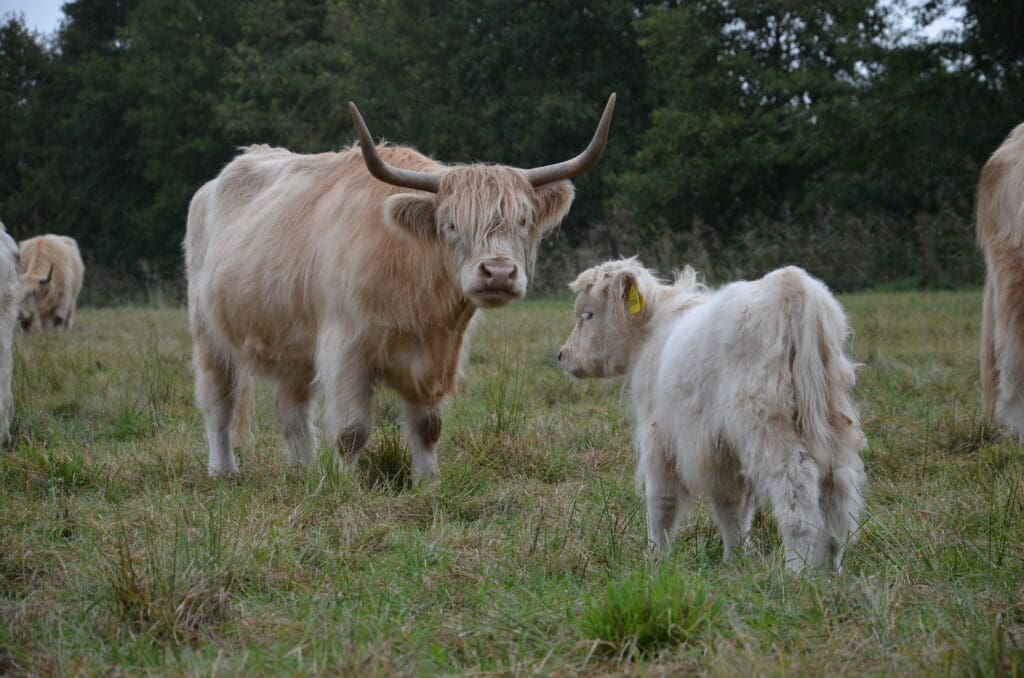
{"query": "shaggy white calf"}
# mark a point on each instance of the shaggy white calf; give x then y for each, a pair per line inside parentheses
(9, 292)
(741, 396)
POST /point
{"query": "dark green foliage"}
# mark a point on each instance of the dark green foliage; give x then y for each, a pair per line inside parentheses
(748, 93)
(738, 122)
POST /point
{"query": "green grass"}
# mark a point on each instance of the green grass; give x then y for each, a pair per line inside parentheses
(119, 554)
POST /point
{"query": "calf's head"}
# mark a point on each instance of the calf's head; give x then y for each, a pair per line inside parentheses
(613, 308)
(490, 218)
(33, 288)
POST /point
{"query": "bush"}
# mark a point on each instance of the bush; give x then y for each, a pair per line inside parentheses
(848, 252)
(649, 611)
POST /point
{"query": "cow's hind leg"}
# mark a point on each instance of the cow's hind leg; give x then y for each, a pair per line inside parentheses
(1010, 399)
(215, 386)
(295, 417)
(423, 429)
(732, 506)
(245, 394)
(666, 497)
(989, 375)
(1005, 292)
(792, 483)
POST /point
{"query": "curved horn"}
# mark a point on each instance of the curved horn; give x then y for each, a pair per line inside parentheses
(568, 169)
(49, 276)
(422, 181)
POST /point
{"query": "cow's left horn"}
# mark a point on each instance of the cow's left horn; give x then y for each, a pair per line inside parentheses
(421, 181)
(568, 169)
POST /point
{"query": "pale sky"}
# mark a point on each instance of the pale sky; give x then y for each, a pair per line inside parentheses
(43, 16)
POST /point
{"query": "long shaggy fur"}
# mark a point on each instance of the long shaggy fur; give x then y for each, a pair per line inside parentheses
(1000, 230)
(8, 316)
(740, 395)
(307, 270)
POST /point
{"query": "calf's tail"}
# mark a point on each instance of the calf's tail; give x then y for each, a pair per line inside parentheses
(821, 372)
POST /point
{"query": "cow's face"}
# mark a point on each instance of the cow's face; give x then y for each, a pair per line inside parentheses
(489, 220)
(611, 313)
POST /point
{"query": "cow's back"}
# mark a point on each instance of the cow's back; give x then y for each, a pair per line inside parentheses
(734, 351)
(1000, 201)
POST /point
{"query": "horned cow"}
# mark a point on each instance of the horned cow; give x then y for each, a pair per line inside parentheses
(740, 396)
(8, 315)
(1000, 231)
(322, 275)
(51, 280)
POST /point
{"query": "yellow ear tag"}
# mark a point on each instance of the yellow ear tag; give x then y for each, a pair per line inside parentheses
(635, 300)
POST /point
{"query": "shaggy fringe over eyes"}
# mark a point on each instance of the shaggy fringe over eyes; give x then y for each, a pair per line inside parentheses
(490, 198)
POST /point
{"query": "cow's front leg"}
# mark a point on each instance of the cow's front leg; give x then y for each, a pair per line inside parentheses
(347, 384)
(423, 429)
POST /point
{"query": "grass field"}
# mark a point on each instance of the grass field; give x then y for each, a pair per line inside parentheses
(119, 554)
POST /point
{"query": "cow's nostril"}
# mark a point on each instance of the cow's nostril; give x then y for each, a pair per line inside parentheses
(560, 356)
(498, 273)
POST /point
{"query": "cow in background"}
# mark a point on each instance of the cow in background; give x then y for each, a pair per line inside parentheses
(341, 271)
(1000, 231)
(740, 395)
(51, 279)
(9, 287)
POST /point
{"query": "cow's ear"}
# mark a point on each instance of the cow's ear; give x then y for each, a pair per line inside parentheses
(411, 213)
(553, 203)
(629, 293)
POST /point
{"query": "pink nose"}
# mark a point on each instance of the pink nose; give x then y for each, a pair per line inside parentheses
(498, 274)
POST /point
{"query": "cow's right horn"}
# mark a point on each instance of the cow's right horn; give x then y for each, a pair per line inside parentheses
(583, 162)
(421, 181)
(48, 278)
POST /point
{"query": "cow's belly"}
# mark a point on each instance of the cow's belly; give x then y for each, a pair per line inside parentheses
(262, 330)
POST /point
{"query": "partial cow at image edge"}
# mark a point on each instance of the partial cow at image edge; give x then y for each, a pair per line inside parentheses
(9, 287)
(1000, 231)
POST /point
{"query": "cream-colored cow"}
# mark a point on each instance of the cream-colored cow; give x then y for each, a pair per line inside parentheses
(740, 395)
(51, 279)
(343, 271)
(1000, 230)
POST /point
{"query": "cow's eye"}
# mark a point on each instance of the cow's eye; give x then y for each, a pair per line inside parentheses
(522, 222)
(450, 227)
(586, 315)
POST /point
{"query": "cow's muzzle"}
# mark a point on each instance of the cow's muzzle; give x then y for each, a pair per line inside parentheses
(498, 282)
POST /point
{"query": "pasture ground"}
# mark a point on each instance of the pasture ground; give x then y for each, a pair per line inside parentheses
(119, 555)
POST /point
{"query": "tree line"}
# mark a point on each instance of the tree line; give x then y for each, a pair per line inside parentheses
(748, 132)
